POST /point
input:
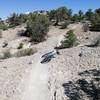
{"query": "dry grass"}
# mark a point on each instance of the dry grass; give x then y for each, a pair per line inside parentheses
(23, 52)
(26, 52)
(0, 33)
(5, 55)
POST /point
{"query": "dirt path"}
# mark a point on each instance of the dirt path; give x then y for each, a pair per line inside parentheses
(37, 85)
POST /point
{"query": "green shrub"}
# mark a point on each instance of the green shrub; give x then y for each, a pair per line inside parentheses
(70, 40)
(37, 28)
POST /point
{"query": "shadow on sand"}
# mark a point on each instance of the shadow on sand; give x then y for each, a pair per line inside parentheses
(88, 86)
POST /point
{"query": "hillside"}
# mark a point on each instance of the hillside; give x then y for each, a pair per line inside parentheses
(73, 74)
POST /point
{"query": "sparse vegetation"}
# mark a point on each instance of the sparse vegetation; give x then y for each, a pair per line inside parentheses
(23, 52)
(55, 16)
(16, 19)
(34, 20)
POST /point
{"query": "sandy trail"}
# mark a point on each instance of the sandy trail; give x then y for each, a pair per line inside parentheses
(37, 85)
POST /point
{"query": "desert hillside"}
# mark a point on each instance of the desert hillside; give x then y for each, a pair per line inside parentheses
(74, 74)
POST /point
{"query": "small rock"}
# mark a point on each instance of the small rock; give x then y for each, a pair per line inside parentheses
(80, 54)
(31, 62)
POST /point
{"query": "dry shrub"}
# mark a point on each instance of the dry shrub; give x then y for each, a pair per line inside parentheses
(26, 52)
(5, 55)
